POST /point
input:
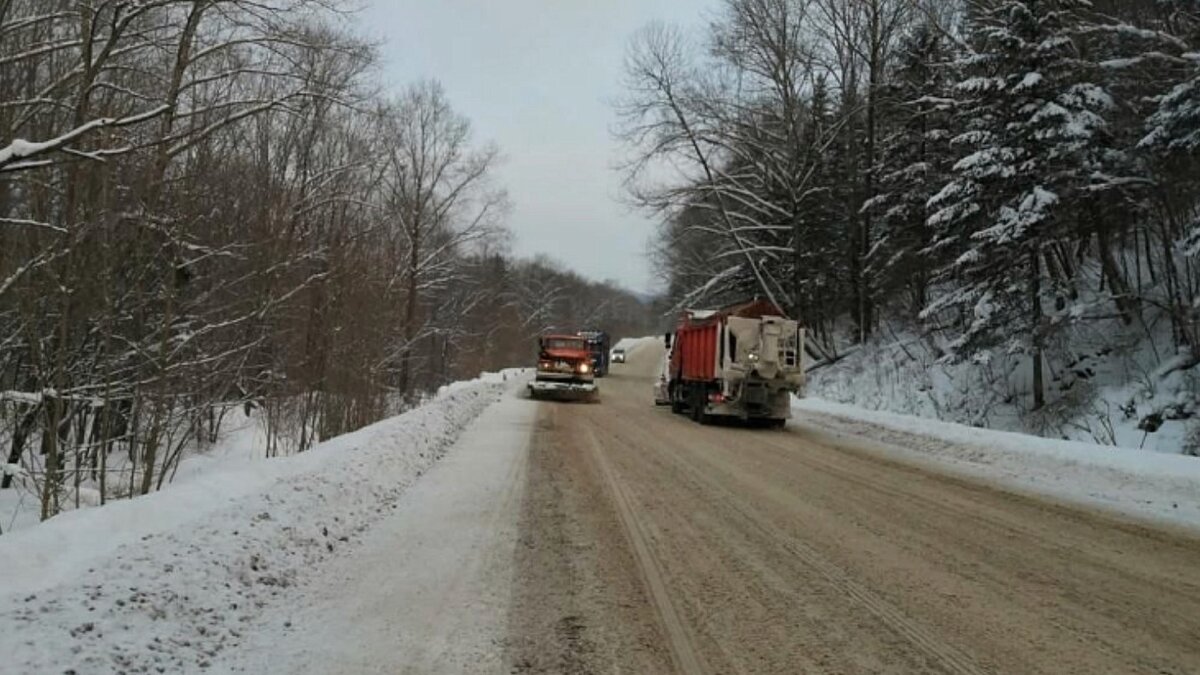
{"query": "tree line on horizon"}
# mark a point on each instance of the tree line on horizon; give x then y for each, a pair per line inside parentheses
(206, 204)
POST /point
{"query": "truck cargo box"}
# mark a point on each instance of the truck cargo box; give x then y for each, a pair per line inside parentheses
(699, 350)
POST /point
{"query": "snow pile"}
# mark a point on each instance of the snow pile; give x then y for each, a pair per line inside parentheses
(631, 344)
(239, 450)
(1115, 388)
(162, 583)
(1155, 486)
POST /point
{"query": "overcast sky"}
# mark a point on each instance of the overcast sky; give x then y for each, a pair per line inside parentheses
(537, 77)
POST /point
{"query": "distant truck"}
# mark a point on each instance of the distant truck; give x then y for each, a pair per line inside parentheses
(564, 369)
(598, 345)
(742, 362)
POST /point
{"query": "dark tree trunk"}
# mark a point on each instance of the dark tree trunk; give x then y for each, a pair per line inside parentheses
(1035, 301)
(17, 448)
(1122, 295)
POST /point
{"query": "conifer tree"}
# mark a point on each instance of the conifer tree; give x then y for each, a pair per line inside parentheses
(915, 163)
(1032, 121)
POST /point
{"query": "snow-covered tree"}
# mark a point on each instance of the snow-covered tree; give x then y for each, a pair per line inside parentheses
(206, 204)
(1149, 213)
(1033, 139)
(914, 163)
(1022, 171)
(1176, 124)
(1173, 130)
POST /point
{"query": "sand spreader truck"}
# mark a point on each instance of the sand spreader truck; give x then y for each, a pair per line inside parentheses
(565, 369)
(740, 362)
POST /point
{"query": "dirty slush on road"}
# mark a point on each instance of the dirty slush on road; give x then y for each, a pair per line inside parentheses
(578, 605)
(650, 544)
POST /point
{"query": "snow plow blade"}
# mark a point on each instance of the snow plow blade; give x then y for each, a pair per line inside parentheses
(564, 391)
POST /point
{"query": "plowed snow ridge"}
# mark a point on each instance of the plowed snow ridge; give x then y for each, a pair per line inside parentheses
(169, 580)
(1140, 483)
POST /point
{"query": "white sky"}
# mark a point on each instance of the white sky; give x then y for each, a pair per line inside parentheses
(537, 77)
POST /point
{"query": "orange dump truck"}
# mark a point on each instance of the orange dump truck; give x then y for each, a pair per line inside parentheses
(565, 369)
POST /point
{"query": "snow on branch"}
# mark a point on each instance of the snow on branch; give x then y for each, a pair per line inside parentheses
(24, 222)
(25, 397)
(21, 154)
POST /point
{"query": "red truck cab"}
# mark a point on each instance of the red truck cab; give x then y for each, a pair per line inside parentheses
(565, 368)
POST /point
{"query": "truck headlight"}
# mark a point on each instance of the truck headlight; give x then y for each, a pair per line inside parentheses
(752, 357)
(584, 368)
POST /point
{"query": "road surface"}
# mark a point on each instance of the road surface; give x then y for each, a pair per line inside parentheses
(618, 538)
(650, 544)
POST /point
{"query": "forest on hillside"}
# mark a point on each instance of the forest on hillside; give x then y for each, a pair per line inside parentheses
(1007, 189)
(211, 203)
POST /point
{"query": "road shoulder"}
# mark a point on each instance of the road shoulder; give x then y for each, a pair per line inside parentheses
(429, 590)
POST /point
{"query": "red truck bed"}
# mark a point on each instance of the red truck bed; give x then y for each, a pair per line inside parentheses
(698, 348)
(698, 352)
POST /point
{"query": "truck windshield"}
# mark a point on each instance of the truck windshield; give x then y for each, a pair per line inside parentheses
(556, 343)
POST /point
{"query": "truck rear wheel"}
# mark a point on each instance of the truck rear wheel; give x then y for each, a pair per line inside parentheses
(676, 403)
(698, 407)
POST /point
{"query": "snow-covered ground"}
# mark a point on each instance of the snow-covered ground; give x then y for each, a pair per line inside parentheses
(429, 587)
(1121, 418)
(240, 447)
(166, 581)
(1153, 486)
(294, 560)
(1117, 379)
(629, 344)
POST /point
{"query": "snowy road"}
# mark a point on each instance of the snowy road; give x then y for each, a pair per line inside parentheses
(616, 537)
(664, 544)
(428, 591)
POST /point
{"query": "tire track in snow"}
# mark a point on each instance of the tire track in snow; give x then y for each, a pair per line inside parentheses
(954, 659)
(681, 643)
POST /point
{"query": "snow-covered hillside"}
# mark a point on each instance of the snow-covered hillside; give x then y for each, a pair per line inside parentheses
(164, 582)
(1120, 389)
(1149, 486)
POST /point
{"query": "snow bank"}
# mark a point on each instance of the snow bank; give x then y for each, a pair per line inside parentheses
(164, 582)
(1115, 381)
(629, 344)
(633, 346)
(429, 587)
(1154, 486)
